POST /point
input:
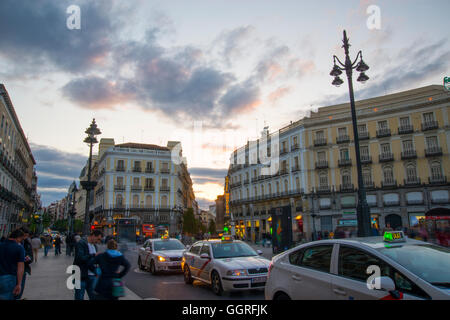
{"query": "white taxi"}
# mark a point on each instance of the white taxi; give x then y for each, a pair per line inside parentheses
(386, 268)
(163, 254)
(225, 264)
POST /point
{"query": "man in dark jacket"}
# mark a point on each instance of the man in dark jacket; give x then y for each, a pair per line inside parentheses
(85, 251)
(26, 243)
(109, 263)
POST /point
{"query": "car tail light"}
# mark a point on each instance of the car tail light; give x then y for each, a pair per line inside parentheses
(270, 268)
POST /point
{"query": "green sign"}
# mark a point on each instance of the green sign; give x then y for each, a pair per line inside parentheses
(348, 212)
(447, 83)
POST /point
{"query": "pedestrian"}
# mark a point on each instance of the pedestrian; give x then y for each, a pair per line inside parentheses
(69, 244)
(109, 263)
(84, 252)
(47, 243)
(12, 265)
(26, 243)
(77, 238)
(57, 242)
(35, 245)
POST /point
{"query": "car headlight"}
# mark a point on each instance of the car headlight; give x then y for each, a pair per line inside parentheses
(161, 259)
(239, 272)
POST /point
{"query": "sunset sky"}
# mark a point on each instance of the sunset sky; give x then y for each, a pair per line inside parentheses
(209, 73)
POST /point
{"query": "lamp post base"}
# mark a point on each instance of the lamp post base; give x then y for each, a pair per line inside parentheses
(363, 214)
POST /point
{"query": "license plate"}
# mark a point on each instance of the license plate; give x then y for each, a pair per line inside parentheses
(175, 263)
(259, 279)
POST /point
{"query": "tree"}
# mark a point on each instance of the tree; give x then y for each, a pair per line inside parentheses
(77, 225)
(46, 220)
(212, 227)
(60, 225)
(189, 222)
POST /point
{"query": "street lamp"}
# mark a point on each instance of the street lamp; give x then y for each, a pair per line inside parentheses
(89, 185)
(362, 209)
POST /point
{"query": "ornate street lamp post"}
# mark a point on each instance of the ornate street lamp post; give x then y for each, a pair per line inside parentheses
(362, 209)
(89, 185)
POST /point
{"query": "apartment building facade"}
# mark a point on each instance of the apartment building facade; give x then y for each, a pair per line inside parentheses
(140, 181)
(404, 141)
(17, 191)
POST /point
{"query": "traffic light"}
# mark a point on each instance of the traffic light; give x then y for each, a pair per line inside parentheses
(92, 227)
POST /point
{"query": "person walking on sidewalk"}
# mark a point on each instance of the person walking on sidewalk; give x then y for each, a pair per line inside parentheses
(58, 242)
(26, 243)
(109, 263)
(47, 243)
(69, 244)
(35, 245)
(12, 260)
(85, 251)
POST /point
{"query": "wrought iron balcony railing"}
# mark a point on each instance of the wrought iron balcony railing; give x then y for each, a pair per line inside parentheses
(321, 164)
(343, 138)
(320, 142)
(405, 129)
(429, 125)
(433, 151)
(385, 132)
(387, 156)
(409, 154)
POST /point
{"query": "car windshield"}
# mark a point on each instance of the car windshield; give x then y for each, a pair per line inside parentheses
(232, 250)
(168, 245)
(429, 262)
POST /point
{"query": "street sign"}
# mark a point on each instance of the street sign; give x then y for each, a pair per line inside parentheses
(447, 83)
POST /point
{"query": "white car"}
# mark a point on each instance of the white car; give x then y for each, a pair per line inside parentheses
(161, 255)
(339, 269)
(226, 265)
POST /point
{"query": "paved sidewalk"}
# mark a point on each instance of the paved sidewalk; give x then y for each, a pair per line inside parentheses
(48, 279)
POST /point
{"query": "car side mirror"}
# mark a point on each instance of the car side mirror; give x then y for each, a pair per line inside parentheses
(204, 256)
(386, 284)
(259, 252)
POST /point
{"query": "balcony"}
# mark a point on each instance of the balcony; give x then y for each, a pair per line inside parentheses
(343, 139)
(283, 152)
(136, 188)
(405, 129)
(295, 147)
(409, 154)
(344, 162)
(389, 184)
(320, 142)
(120, 168)
(386, 157)
(137, 169)
(347, 187)
(366, 159)
(369, 185)
(385, 132)
(429, 125)
(324, 189)
(364, 135)
(164, 188)
(149, 188)
(321, 164)
(411, 181)
(119, 188)
(165, 171)
(295, 169)
(254, 179)
(284, 171)
(246, 181)
(433, 151)
(149, 170)
(437, 180)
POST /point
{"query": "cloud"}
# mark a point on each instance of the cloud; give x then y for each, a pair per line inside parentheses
(36, 32)
(231, 43)
(278, 94)
(56, 170)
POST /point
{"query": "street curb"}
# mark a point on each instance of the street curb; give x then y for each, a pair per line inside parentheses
(130, 295)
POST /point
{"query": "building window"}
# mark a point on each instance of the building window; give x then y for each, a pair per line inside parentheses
(148, 201)
(136, 182)
(428, 117)
(323, 179)
(362, 129)
(164, 201)
(404, 122)
(367, 177)
(382, 124)
(248, 194)
(120, 181)
(408, 145)
(135, 201)
(320, 135)
(278, 187)
(321, 156)
(148, 182)
(342, 132)
(388, 175)
(432, 142)
(436, 170)
(297, 183)
(344, 154)
(346, 178)
(386, 148)
(119, 201)
(364, 151)
(411, 174)
(262, 190)
(286, 186)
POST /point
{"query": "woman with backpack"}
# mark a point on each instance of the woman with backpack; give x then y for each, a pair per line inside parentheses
(109, 285)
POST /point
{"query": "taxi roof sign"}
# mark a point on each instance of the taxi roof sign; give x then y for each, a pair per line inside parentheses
(394, 236)
(227, 238)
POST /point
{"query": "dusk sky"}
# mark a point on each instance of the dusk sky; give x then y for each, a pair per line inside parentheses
(149, 71)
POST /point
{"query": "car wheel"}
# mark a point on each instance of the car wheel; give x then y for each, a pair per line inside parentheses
(140, 265)
(187, 275)
(281, 296)
(153, 268)
(216, 283)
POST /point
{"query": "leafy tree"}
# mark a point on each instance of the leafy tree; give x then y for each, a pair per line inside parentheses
(60, 225)
(78, 226)
(189, 222)
(46, 220)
